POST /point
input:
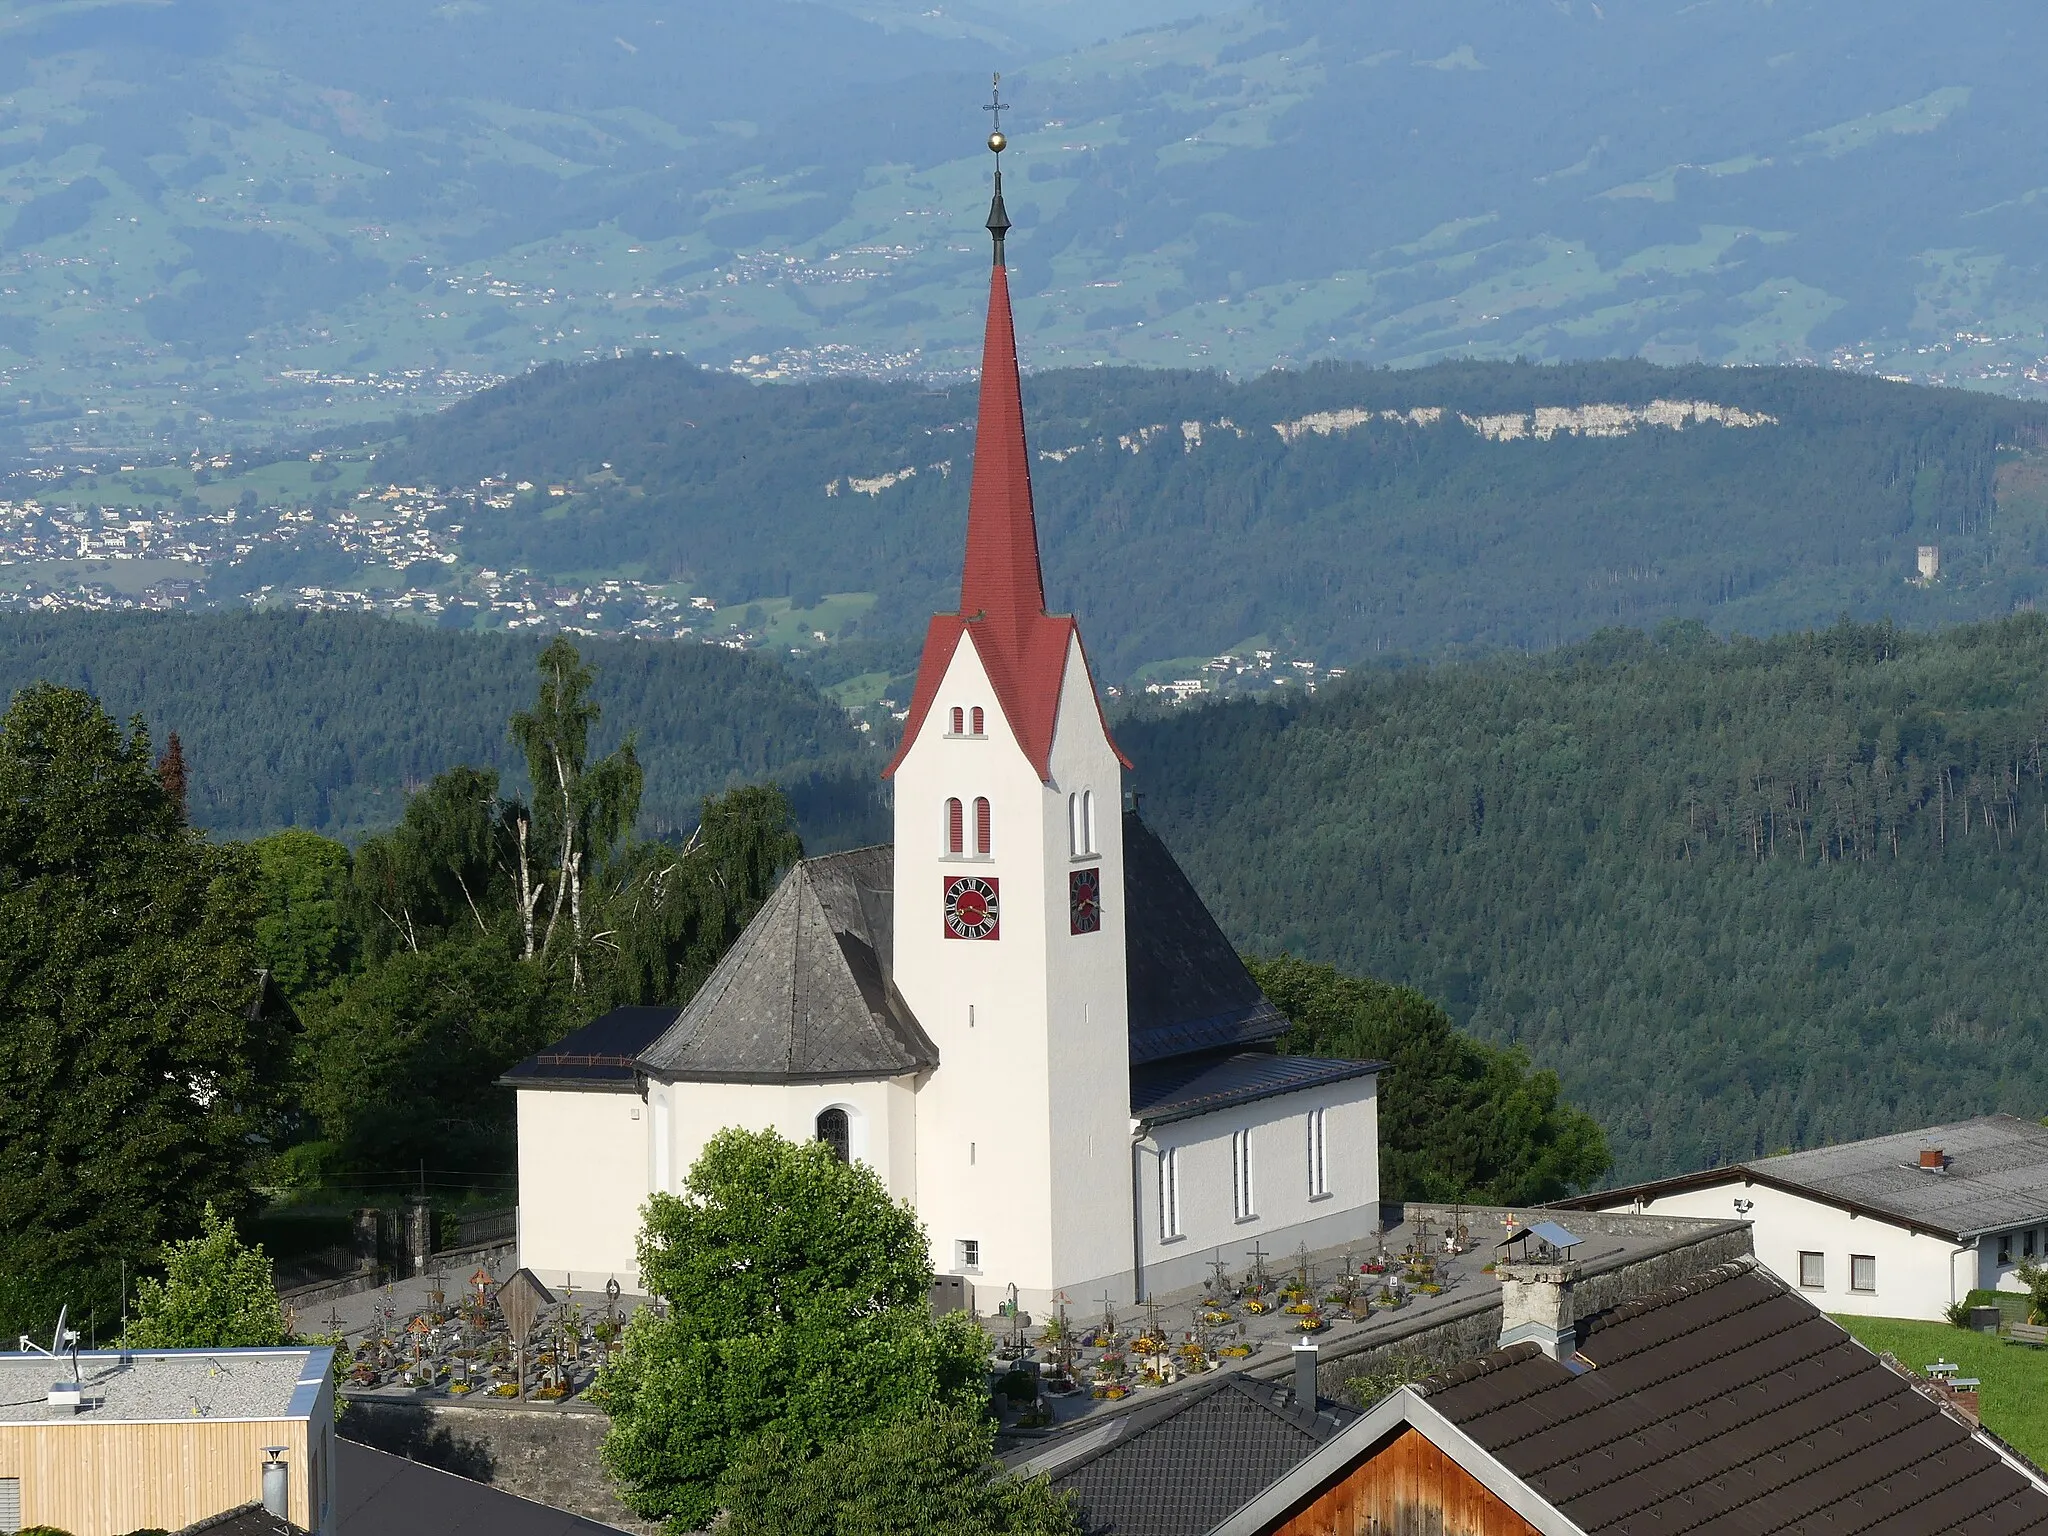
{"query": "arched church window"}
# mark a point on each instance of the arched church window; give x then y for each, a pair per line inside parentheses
(956, 827)
(1074, 841)
(956, 719)
(977, 717)
(1087, 821)
(834, 1132)
(981, 825)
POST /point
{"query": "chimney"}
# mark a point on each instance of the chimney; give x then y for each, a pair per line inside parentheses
(277, 1485)
(1536, 1305)
(1305, 1394)
(1931, 1160)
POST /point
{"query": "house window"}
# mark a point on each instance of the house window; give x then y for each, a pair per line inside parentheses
(1243, 1199)
(1813, 1272)
(1169, 1194)
(834, 1132)
(956, 827)
(976, 716)
(2027, 1243)
(981, 825)
(1862, 1272)
(1318, 1156)
(958, 714)
(10, 1503)
(967, 1255)
(2005, 1247)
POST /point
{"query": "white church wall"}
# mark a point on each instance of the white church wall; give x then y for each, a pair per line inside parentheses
(582, 1181)
(1022, 1132)
(1287, 1212)
(1917, 1274)
(877, 1114)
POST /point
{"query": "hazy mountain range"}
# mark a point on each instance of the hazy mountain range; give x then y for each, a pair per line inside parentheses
(219, 217)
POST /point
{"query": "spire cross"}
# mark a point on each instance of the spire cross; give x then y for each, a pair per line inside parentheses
(996, 104)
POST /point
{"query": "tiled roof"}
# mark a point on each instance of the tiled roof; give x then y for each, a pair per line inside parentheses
(598, 1055)
(1994, 1177)
(1002, 592)
(1728, 1406)
(804, 994)
(1182, 1465)
(1178, 1090)
(1188, 989)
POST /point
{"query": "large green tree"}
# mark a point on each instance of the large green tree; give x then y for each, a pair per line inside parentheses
(304, 937)
(1459, 1119)
(216, 1293)
(797, 1305)
(921, 1475)
(136, 1079)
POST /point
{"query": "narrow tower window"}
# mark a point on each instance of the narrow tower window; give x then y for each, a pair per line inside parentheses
(977, 721)
(832, 1130)
(956, 720)
(1243, 1202)
(956, 827)
(981, 825)
(1318, 1156)
(1169, 1194)
(1087, 821)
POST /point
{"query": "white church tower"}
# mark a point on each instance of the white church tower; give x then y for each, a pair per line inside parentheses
(1009, 885)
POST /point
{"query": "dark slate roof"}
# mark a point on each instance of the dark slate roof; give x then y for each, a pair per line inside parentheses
(377, 1494)
(250, 1519)
(1994, 1177)
(804, 995)
(1178, 1466)
(1729, 1405)
(599, 1055)
(1177, 1090)
(1189, 991)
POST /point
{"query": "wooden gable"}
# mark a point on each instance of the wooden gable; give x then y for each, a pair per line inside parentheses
(1407, 1487)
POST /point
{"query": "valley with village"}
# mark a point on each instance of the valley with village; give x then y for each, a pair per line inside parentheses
(1169, 768)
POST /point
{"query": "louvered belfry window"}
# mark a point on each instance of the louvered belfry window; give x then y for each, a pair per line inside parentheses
(982, 829)
(956, 827)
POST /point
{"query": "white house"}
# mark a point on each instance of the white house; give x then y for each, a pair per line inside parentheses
(1020, 1014)
(1897, 1226)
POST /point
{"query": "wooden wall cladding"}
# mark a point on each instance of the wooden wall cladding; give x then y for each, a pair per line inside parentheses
(105, 1479)
(1406, 1488)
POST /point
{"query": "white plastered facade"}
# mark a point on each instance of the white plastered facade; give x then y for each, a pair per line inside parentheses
(1918, 1274)
(1023, 1133)
(582, 1182)
(1182, 1230)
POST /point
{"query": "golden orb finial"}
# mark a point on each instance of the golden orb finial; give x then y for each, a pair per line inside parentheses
(998, 141)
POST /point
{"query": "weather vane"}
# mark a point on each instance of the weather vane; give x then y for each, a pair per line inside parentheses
(997, 106)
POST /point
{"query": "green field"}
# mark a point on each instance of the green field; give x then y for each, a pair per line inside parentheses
(2014, 1397)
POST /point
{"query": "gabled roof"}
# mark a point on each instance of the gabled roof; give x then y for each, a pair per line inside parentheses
(1994, 1177)
(804, 995)
(1727, 1405)
(378, 1494)
(1002, 591)
(1176, 1467)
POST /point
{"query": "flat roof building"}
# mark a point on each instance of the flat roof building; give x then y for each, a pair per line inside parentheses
(101, 1443)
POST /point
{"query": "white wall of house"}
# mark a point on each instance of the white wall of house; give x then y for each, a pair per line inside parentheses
(1023, 1131)
(1917, 1274)
(881, 1121)
(582, 1181)
(1287, 1209)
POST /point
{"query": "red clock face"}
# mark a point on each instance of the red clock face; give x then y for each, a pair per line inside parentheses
(1084, 900)
(972, 911)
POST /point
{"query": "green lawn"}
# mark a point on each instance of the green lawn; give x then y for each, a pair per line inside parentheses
(2014, 1397)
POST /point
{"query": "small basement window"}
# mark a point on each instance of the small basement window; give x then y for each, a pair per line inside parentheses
(1813, 1272)
(1862, 1272)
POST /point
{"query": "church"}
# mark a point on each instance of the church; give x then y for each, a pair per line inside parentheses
(1020, 1015)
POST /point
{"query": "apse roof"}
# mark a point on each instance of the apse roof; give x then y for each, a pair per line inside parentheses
(804, 995)
(599, 1055)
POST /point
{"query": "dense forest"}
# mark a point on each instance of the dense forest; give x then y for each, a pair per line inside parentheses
(329, 721)
(1741, 895)
(1180, 522)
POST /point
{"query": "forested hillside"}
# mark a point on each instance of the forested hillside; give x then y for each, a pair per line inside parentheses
(329, 721)
(1739, 895)
(1181, 514)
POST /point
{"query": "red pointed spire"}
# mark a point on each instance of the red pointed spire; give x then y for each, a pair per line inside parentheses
(1001, 579)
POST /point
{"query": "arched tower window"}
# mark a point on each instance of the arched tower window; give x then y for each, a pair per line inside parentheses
(956, 719)
(1075, 845)
(832, 1130)
(978, 723)
(956, 827)
(1081, 823)
(1087, 821)
(981, 825)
